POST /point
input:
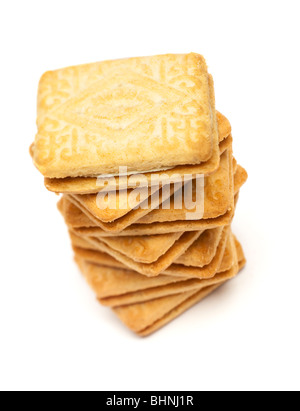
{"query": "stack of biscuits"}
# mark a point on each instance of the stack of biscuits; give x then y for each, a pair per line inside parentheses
(148, 180)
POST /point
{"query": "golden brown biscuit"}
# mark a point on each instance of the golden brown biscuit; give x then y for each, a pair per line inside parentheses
(166, 264)
(91, 210)
(143, 249)
(173, 309)
(94, 256)
(138, 317)
(88, 229)
(203, 250)
(116, 205)
(199, 254)
(109, 282)
(115, 287)
(90, 120)
(218, 197)
(158, 266)
(90, 253)
(171, 288)
(147, 317)
(90, 185)
(74, 218)
(159, 228)
(188, 303)
(81, 243)
(208, 271)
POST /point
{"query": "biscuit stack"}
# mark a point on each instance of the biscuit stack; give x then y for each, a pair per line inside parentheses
(123, 141)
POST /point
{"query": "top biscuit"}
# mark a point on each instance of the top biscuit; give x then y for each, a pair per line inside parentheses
(146, 113)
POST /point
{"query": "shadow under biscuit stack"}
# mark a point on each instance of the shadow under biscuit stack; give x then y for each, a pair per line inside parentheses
(151, 259)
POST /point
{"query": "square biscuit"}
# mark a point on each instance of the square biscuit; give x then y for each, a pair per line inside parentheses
(116, 287)
(90, 185)
(82, 225)
(168, 285)
(218, 200)
(157, 267)
(147, 113)
(217, 197)
(147, 317)
(166, 264)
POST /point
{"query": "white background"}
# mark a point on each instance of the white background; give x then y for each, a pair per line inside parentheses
(54, 335)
